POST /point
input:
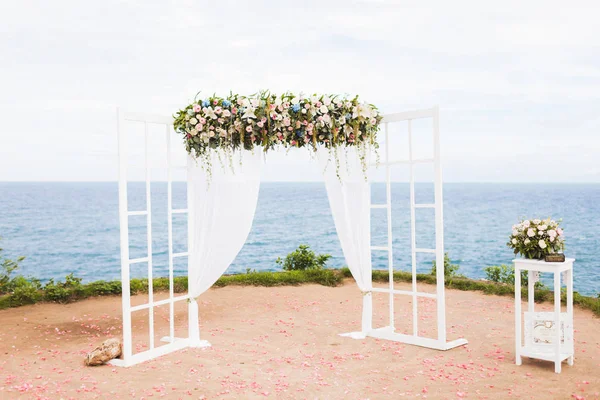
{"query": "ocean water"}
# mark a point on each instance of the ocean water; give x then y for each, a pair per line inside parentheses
(67, 228)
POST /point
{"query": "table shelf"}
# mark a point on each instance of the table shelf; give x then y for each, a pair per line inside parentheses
(559, 348)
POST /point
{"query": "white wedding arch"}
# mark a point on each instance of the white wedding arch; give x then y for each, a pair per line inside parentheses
(210, 206)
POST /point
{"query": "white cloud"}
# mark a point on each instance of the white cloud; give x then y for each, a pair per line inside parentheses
(515, 82)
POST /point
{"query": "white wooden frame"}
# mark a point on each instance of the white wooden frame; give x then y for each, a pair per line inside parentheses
(193, 339)
(389, 332)
(173, 343)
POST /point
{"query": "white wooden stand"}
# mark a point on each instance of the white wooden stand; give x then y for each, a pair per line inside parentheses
(557, 351)
(389, 332)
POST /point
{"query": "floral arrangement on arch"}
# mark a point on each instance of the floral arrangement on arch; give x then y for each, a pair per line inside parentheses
(267, 120)
(535, 238)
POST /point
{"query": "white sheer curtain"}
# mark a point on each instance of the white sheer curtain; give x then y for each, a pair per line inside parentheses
(349, 199)
(221, 210)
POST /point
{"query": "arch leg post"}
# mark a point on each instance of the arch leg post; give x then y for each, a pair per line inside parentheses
(194, 326)
(367, 319)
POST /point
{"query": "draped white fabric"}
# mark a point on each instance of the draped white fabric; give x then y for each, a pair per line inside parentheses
(221, 210)
(349, 199)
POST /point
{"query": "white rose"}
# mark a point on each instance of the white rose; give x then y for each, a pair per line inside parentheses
(542, 244)
(527, 241)
(542, 227)
(226, 113)
(193, 121)
(552, 233)
(537, 221)
(515, 232)
(323, 109)
(526, 223)
(326, 101)
(304, 111)
(530, 232)
(295, 100)
(514, 241)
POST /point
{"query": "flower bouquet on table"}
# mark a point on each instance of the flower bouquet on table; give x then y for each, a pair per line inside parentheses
(538, 239)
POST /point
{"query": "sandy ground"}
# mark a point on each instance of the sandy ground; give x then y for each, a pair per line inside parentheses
(283, 343)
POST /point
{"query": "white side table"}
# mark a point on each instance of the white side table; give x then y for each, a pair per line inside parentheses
(545, 347)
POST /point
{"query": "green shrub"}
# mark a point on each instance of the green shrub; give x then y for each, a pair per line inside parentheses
(303, 259)
(24, 291)
(450, 269)
(506, 274)
(63, 292)
(7, 267)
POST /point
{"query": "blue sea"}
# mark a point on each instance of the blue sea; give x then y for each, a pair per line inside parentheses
(65, 228)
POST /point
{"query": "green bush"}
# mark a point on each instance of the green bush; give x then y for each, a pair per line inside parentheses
(24, 291)
(7, 267)
(303, 259)
(450, 270)
(63, 292)
(506, 274)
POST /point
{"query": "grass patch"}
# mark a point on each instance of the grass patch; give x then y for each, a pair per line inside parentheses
(29, 291)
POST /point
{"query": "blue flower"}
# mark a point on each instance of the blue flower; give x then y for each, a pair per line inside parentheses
(348, 116)
(299, 133)
(205, 103)
(226, 103)
(296, 107)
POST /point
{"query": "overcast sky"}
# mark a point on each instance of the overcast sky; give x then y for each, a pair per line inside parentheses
(518, 84)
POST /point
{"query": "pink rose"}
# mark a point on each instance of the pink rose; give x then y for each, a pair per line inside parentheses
(202, 121)
(293, 143)
(286, 122)
(197, 108)
(234, 110)
(260, 124)
(215, 102)
(318, 104)
(248, 128)
(218, 110)
(220, 120)
(307, 106)
(290, 128)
